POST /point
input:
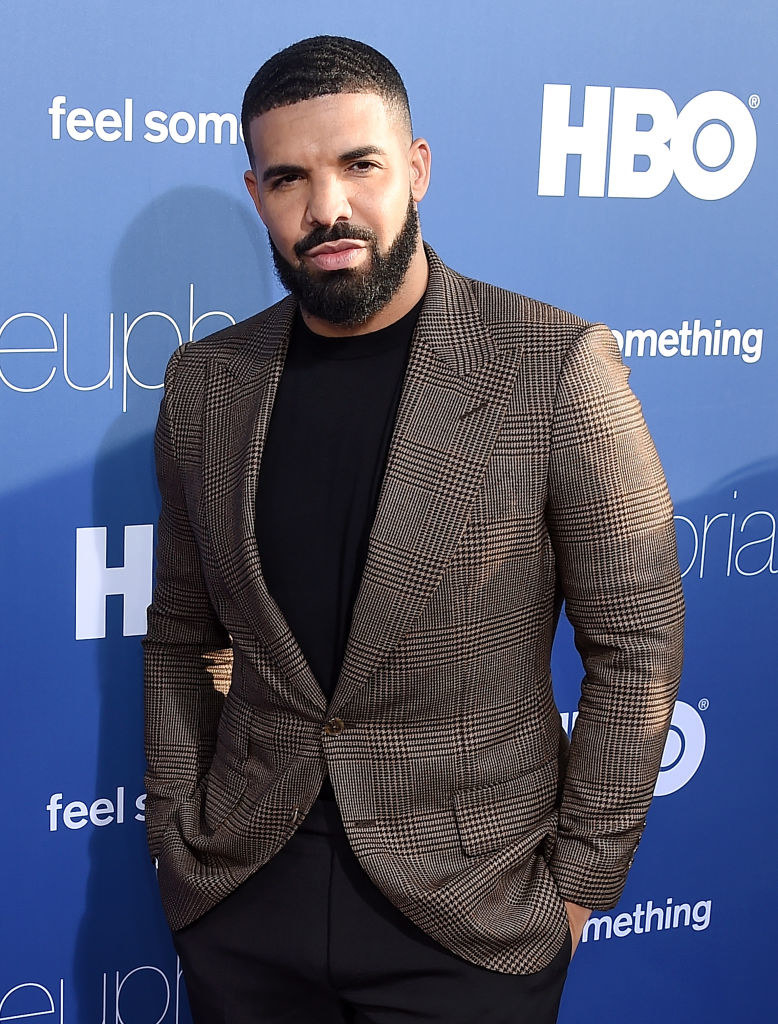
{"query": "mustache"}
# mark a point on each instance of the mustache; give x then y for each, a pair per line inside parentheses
(335, 233)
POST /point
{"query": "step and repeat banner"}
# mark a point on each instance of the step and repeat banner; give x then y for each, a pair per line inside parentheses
(618, 160)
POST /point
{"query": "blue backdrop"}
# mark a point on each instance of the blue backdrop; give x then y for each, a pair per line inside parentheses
(617, 160)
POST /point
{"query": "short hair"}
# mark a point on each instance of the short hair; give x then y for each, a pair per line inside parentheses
(322, 66)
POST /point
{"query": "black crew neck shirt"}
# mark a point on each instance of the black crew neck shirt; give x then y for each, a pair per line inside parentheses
(320, 477)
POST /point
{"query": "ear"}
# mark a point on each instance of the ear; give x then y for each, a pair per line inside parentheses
(419, 163)
(253, 187)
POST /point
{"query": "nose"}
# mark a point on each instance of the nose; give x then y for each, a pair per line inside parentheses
(327, 202)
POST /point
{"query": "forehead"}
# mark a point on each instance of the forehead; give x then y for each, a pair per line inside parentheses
(323, 127)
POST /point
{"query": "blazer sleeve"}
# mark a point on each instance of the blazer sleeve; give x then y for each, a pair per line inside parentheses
(187, 651)
(611, 524)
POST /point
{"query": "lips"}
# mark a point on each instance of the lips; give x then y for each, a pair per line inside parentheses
(337, 255)
(339, 246)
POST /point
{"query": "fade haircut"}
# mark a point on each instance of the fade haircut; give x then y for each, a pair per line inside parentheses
(322, 66)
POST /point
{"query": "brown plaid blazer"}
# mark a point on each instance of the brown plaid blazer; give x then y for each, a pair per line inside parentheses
(520, 473)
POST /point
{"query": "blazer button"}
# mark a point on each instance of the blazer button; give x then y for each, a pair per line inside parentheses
(334, 727)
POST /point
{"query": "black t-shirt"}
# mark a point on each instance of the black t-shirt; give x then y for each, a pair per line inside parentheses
(320, 478)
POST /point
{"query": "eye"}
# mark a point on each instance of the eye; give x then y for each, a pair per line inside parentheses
(362, 166)
(284, 181)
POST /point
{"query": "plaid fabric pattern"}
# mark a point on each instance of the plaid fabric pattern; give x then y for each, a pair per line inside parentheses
(520, 472)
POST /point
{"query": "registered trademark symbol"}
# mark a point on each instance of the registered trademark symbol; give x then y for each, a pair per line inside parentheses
(754, 100)
(703, 705)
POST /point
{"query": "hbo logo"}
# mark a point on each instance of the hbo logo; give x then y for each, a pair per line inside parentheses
(710, 145)
(683, 751)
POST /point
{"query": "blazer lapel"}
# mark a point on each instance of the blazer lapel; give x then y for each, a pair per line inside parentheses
(457, 385)
(239, 398)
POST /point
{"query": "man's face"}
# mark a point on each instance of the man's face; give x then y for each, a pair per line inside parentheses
(336, 180)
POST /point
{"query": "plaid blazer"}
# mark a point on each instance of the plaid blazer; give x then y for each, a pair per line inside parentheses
(520, 474)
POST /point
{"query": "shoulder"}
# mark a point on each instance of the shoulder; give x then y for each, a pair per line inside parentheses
(543, 327)
(545, 335)
(550, 340)
(499, 305)
(511, 317)
(234, 340)
(240, 347)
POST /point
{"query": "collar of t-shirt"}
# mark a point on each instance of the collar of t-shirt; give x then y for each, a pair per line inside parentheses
(356, 346)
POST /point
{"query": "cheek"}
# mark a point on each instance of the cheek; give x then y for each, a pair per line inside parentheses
(385, 211)
(283, 225)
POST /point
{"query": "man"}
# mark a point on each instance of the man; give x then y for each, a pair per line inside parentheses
(376, 495)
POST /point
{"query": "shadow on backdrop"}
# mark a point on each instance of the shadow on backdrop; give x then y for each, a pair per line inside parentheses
(191, 252)
(718, 824)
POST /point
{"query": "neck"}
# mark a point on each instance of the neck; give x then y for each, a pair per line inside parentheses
(402, 302)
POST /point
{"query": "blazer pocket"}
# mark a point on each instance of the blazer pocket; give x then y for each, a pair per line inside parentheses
(225, 782)
(492, 817)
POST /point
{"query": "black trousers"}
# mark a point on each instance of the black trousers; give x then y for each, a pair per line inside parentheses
(309, 939)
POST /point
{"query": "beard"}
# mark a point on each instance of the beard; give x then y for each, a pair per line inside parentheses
(349, 297)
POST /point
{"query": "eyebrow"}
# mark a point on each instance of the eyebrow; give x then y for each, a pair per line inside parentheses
(279, 170)
(361, 152)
